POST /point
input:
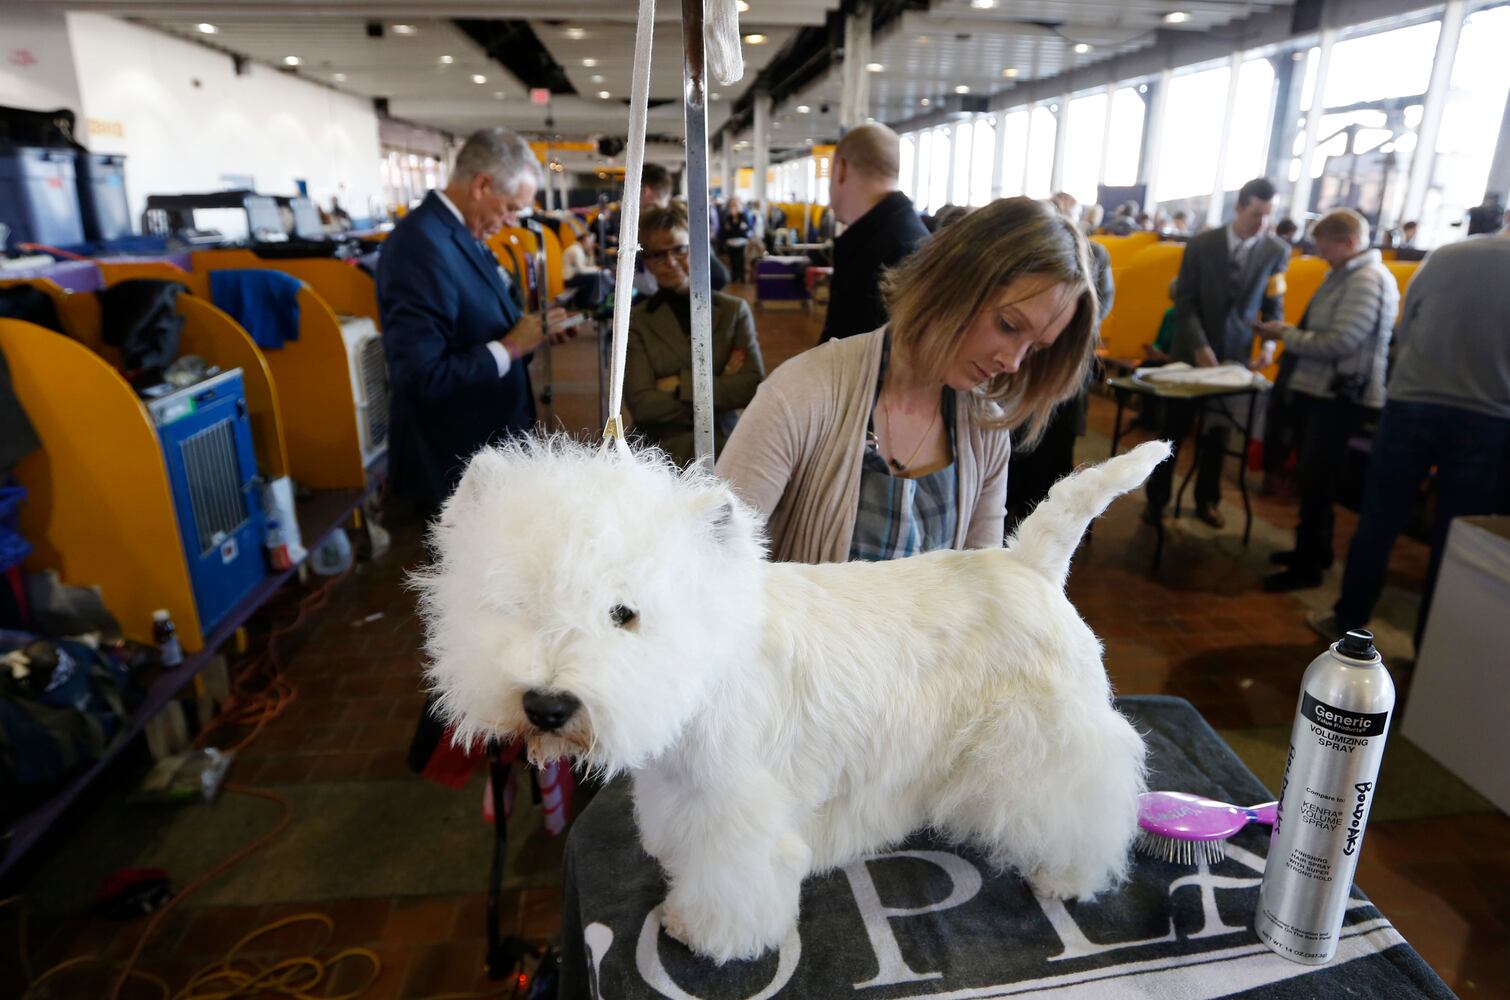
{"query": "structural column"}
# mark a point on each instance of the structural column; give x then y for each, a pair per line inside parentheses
(1300, 197)
(1061, 132)
(1423, 160)
(1499, 170)
(1218, 185)
(762, 143)
(1153, 139)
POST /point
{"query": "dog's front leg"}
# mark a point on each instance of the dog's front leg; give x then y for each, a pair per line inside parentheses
(734, 858)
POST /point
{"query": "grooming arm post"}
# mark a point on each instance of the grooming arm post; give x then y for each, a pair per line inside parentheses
(694, 90)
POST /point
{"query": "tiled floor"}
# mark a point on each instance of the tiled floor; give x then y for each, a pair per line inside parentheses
(1200, 629)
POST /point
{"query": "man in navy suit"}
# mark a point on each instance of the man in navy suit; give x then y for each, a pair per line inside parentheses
(457, 343)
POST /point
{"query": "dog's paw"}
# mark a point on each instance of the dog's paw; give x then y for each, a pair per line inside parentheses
(675, 925)
(1061, 885)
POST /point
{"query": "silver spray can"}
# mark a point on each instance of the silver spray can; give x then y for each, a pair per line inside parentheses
(1346, 699)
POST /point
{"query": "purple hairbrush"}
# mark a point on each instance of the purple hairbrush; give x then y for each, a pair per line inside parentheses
(1185, 828)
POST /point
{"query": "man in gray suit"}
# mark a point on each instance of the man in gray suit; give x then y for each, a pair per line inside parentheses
(1222, 289)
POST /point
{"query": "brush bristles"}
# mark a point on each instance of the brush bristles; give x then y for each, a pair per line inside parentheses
(1184, 852)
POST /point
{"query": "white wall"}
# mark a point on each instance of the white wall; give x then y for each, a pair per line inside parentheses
(36, 62)
(185, 119)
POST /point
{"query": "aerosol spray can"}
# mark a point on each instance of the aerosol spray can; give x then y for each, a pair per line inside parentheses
(1346, 699)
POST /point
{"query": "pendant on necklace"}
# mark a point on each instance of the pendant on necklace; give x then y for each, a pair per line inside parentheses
(897, 465)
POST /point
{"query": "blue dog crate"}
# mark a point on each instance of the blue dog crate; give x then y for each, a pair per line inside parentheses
(207, 446)
(102, 196)
(38, 197)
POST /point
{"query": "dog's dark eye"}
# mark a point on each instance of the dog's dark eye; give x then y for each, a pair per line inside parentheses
(622, 616)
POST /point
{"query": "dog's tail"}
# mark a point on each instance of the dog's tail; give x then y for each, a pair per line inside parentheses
(1047, 538)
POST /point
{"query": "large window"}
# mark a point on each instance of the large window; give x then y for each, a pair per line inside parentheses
(938, 170)
(982, 161)
(1014, 152)
(1040, 163)
(1192, 132)
(964, 136)
(1252, 116)
(1125, 140)
(925, 161)
(1387, 64)
(907, 149)
(1084, 131)
(1465, 144)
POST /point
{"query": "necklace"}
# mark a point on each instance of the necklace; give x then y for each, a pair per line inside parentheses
(892, 461)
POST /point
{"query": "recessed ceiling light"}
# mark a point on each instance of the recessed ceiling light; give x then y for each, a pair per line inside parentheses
(925, 102)
(755, 39)
(338, 77)
(1176, 17)
(447, 60)
(405, 29)
(479, 78)
(874, 67)
(604, 94)
(589, 63)
(596, 78)
(1082, 48)
(803, 109)
(207, 29)
(962, 89)
(1010, 72)
(291, 60)
(983, 4)
(576, 34)
(744, 8)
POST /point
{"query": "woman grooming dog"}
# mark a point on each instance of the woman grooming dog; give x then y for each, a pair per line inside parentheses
(896, 442)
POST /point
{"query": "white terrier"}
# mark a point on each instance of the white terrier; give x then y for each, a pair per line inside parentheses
(782, 719)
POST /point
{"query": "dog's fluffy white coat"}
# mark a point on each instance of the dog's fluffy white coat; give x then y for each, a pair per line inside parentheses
(782, 719)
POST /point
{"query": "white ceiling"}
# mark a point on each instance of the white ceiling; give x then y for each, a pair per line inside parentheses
(924, 54)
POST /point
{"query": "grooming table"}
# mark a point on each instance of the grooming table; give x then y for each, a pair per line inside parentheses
(779, 282)
(932, 920)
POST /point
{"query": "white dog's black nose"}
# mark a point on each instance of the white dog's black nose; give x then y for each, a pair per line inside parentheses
(549, 710)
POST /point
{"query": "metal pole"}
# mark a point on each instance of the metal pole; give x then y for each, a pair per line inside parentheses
(543, 301)
(695, 109)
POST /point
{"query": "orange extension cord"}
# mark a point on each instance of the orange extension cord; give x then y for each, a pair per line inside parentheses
(261, 692)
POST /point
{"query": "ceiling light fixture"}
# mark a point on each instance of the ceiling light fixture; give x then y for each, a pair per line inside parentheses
(207, 29)
(716, 97)
(338, 77)
(874, 67)
(983, 4)
(803, 109)
(447, 60)
(589, 63)
(291, 60)
(925, 102)
(1082, 48)
(604, 94)
(596, 78)
(405, 29)
(479, 78)
(1010, 72)
(1176, 17)
(576, 34)
(744, 8)
(755, 39)
(498, 94)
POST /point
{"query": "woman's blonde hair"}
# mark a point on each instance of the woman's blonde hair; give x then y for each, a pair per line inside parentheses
(664, 218)
(935, 294)
(1343, 225)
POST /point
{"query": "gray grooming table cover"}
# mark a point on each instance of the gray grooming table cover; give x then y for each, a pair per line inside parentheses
(933, 920)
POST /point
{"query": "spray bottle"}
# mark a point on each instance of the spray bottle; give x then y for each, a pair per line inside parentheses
(1346, 699)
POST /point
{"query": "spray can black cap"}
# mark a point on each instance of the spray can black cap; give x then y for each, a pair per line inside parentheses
(1357, 644)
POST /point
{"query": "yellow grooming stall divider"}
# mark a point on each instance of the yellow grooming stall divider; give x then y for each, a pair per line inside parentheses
(313, 380)
(221, 341)
(1304, 276)
(345, 288)
(156, 270)
(1141, 299)
(99, 509)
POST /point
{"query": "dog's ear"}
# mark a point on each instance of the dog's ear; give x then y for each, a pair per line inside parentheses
(716, 511)
(482, 470)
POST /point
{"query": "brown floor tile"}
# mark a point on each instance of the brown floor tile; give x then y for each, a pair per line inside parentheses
(447, 967)
(420, 920)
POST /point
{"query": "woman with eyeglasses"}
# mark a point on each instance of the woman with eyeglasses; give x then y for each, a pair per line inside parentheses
(895, 442)
(658, 369)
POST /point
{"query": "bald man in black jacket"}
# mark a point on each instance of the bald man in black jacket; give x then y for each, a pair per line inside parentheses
(883, 228)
